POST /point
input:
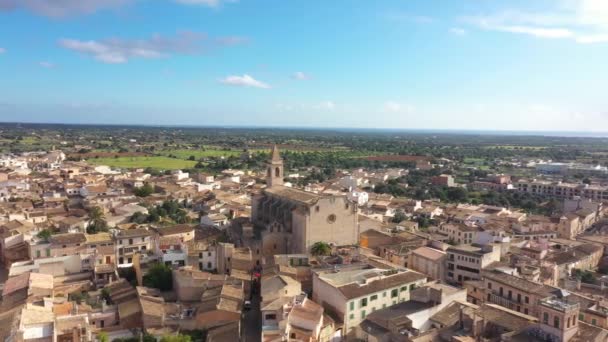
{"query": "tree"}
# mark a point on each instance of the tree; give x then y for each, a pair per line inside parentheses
(399, 216)
(144, 191)
(103, 336)
(97, 221)
(176, 338)
(320, 248)
(159, 276)
(44, 235)
(139, 217)
(105, 295)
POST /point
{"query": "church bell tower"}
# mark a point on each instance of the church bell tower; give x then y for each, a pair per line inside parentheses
(274, 169)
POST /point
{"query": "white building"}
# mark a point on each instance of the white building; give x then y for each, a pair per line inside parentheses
(356, 291)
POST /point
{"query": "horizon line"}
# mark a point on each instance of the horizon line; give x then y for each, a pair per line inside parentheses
(507, 132)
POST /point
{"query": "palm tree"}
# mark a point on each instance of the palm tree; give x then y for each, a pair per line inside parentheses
(97, 221)
(320, 248)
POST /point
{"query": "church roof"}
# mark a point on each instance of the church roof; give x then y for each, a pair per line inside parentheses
(293, 194)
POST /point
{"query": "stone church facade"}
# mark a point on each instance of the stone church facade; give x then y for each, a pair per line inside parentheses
(294, 220)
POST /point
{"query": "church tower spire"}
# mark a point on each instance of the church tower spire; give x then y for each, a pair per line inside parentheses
(274, 168)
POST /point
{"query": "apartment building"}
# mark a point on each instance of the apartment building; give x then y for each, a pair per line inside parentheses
(130, 242)
(459, 233)
(562, 190)
(354, 292)
(465, 262)
(515, 293)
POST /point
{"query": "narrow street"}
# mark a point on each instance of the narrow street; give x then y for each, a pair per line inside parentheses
(252, 321)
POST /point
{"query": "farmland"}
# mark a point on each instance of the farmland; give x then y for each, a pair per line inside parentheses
(156, 162)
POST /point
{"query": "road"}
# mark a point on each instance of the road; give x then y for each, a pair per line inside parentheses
(252, 321)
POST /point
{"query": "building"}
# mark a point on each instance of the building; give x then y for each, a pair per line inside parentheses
(465, 262)
(515, 293)
(428, 261)
(562, 190)
(443, 180)
(293, 220)
(352, 293)
(130, 242)
(413, 317)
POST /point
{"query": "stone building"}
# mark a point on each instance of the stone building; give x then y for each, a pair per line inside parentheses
(293, 220)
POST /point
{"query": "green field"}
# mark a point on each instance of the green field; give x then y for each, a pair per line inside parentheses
(160, 163)
(185, 154)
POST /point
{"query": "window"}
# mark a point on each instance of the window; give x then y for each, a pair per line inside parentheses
(581, 317)
(593, 321)
(38, 254)
(545, 318)
(143, 239)
(363, 314)
(403, 288)
(394, 293)
(384, 294)
(413, 286)
(526, 299)
(568, 323)
(293, 335)
(209, 265)
(500, 291)
(200, 266)
(519, 298)
(556, 322)
(363, 303)
(489, 285)
(374, 297)
(510, 294)
(525, 311)
(271, 316)
(352, 305)
(48, 252)
(200, 255)
(130, 241)
(351, 316)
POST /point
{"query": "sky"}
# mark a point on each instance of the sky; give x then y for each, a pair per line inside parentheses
(428, 64)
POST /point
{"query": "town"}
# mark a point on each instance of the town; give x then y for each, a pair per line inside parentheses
(263, 240)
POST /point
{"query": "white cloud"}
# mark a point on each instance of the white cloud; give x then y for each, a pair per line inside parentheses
(583, 21)
(325, 105)
(458, 31)
(396, 107)
(61, 8)
(536, 31)
(299, 75)
(2, 50)
(116, 50)
(244, 81)
(46, 64)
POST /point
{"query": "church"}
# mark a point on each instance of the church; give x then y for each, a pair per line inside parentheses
(293, 220)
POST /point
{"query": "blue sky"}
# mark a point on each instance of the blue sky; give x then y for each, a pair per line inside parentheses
(438, 64)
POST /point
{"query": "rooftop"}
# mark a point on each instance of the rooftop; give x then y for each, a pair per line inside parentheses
(361, 282)
(69, 238)
(296, 195)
